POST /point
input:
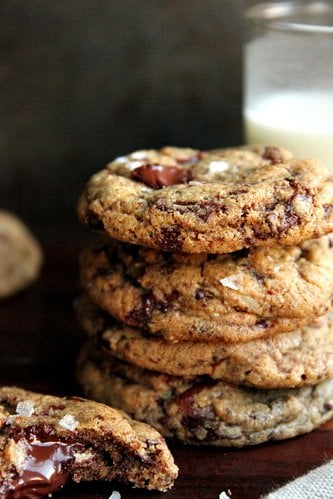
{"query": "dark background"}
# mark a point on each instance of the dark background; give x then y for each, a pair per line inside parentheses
(80, 83)
(84, 81)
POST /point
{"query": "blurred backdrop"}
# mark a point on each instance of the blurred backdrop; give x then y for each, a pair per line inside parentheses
(84, 81)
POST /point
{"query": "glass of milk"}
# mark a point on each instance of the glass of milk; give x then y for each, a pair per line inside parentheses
(288, 78)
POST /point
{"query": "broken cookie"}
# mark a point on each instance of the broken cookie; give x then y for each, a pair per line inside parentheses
(45, 441)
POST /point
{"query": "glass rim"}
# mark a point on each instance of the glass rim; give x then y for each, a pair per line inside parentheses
(287, 16)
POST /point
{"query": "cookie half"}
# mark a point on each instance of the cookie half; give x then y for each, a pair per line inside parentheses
(20, 255)
(47, 440)
(285, 360)
(185, 200)
(199, 410)
(234, 297)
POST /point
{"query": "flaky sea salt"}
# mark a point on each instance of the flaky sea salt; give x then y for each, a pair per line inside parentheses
(121, 159)
(139, 155)
(25, 408)
(68, 422)
(225, 495)
(218, 166)
(232, 282)
(115, 495)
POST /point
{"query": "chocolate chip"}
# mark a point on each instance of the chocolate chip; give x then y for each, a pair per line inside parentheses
(157, 176)
(141, 315)
(258, 277)
(94, 222)
(327, 406)
(242, 253)
(164, 305)
(272, 154)
(328, 209)
(290, 217)
(170, 238)
(199, 294)
(45, 467)
(202, 209)
(185, 400)
(262, 324)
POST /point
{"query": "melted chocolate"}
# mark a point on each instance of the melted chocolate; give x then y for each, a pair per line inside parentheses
(157, 176)
(44, 470)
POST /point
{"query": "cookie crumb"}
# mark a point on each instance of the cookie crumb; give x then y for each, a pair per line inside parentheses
(232, 282)
(115, 495)
(68, 422)
(25, 408)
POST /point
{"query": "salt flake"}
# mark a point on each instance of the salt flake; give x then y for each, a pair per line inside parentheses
(139, 155)
(232, 282)
(218, 166)
(115, 495)
(68, 422)
(25, 408)
(121, 159)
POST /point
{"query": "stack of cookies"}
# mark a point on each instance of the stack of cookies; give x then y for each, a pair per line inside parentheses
(207, 301)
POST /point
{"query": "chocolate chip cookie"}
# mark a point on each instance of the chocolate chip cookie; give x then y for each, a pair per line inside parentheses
(200, 410)
(234, 297)
(285, 360)
(20, 255)
(220, 201)
(47, 440)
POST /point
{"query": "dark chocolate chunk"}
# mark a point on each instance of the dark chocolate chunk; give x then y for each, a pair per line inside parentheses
(94, 222)
(170, 238)
(157, 176)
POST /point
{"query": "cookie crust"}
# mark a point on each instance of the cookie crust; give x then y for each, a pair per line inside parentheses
(235, 297)
(201, 411)
(285, 360)
(227, 199)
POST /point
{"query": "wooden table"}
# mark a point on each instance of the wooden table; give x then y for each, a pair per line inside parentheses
(40, 338)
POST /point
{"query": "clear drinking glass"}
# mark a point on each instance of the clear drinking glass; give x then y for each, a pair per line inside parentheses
(288, 77)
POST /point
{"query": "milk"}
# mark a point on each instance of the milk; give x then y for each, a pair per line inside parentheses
(301, 122)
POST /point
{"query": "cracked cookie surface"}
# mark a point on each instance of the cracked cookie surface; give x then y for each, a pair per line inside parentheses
(179, 199)
(233, 297)
(46, 441)
(199, 410)
(285, 360)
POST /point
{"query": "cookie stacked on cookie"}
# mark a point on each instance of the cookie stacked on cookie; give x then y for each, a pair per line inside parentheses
(208, 300)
